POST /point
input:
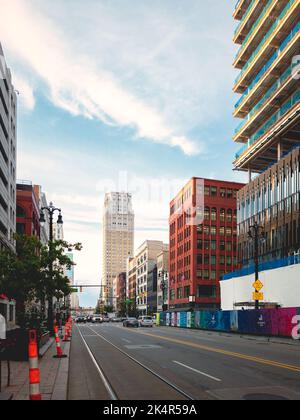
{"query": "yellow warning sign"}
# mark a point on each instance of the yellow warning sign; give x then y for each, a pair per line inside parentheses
(258, 296)
(258, 285)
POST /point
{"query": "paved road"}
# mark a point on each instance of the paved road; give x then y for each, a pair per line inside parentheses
(111, 362)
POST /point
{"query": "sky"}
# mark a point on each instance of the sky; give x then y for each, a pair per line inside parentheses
(120, 95)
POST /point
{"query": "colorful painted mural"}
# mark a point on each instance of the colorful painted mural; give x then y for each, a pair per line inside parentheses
(267, 322)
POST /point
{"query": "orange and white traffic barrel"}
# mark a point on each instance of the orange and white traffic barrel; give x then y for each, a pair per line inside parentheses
(59, 354)
(34, 372)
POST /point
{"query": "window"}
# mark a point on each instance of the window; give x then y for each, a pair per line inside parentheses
(229, 216)
(21, 212)
(187, 292)
(199, 259)
(213, 260)
(213, 230)
(229, 194)
(206, 291)
(206, 213)
(199, 274)
(214, 191)
(214, 215)
(179, 293)
(229, 246)
(223, 192)
(214, 245)
(207, 191)
(213, 275)
(222, 246)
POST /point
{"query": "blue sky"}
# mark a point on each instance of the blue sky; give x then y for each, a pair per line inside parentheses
(120, 94)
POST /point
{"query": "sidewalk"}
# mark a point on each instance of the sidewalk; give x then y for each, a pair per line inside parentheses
(54, 376)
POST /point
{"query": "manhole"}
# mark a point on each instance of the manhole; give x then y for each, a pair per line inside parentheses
(264, 397)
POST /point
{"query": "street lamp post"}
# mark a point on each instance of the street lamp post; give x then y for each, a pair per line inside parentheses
(51, 210)
(256, 233)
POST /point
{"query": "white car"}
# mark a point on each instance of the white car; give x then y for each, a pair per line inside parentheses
(146, 321)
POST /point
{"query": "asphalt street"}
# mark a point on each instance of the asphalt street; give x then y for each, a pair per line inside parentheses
(111, 362)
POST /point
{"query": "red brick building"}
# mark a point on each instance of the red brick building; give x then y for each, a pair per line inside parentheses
(203, 242)
(28, 213)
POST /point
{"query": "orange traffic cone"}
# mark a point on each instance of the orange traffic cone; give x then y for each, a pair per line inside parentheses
(66, 333)
(34, 372)
(59, 354)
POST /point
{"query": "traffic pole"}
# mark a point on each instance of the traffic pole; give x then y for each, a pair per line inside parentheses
(34, 372)
(59, 354)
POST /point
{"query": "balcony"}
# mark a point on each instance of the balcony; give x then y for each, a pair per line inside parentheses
(240, 9)
(284, 125)
(267, 17)
(275, 66)
(288, 18)
(250, 16)
(280, 91)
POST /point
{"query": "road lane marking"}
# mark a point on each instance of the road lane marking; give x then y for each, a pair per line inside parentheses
(198, 371)
(109, 389)
(126, 341)
(292, 368)
(166, 381)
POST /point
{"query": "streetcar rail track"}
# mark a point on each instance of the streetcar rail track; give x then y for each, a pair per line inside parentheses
(108, 385)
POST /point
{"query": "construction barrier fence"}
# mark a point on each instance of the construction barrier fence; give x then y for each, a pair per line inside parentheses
(267, 322)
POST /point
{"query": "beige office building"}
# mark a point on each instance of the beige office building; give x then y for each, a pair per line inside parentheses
(118, 239)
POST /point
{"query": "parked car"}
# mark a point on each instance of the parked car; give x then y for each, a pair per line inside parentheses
(81, 320)
(97, 319)
(116, 319)
(131, 323)
(146, 321)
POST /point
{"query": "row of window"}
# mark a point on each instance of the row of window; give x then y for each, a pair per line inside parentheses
(185, 292)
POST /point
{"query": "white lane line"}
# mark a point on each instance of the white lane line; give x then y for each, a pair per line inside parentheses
(198, 371)
(126, 341)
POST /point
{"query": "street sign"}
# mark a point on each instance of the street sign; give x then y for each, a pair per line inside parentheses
(258, 285)
(258, 296)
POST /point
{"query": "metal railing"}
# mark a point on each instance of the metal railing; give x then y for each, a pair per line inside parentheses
(280, 113)
(271, 91)
(266, 38)
(266, 67)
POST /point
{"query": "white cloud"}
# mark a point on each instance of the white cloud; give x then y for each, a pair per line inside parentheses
(75, 83)
(26, 92)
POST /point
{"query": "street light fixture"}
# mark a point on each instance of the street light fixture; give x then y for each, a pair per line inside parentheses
(256, 233)
(51, 210)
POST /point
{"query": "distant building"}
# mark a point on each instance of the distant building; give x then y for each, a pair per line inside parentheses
(163, 280)
(45, 228)
(203, 242)
(8, 147)
(118, 239)
(146, 258)
(131, 279)
(152, 288)
(28, 212)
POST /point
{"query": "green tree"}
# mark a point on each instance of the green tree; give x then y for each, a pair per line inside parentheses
(35, 272)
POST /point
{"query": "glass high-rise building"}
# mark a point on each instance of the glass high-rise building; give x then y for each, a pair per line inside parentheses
(268, 59)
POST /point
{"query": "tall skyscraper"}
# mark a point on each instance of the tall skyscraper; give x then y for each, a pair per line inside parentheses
(8, 146)
(118, 239)
(269, 106)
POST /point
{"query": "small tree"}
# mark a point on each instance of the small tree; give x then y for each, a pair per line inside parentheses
(35, 272)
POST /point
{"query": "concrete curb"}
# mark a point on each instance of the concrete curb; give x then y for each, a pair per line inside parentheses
(60, 392)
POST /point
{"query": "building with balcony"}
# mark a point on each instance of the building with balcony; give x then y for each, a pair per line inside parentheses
(8, 147)
(268, 61)
(203, 242)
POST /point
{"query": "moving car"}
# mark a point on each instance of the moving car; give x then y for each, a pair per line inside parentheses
(106, 319)
(97, 319)
(81, 320)
(146, 321)
(131, 322)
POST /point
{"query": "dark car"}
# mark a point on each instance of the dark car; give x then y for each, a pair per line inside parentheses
(81, 320)
(131, 323)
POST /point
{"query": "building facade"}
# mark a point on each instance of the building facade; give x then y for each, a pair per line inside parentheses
(163, 280)
(146, 258)
(8, 151)
(131, 279)
(118, 239)
(45, 228)
(28, 212)
(203, 242)
(152, 289)
(269, 106)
